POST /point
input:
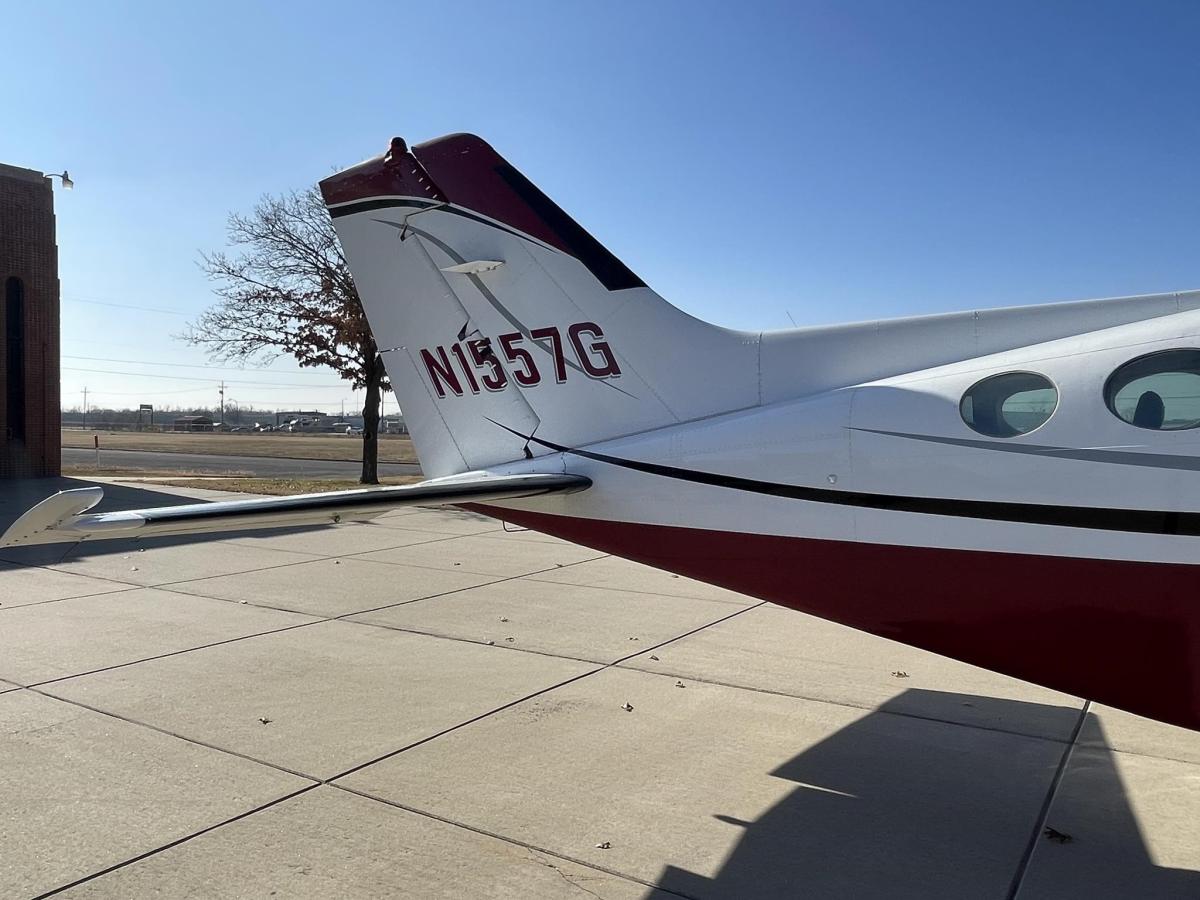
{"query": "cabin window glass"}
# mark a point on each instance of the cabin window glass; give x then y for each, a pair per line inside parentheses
(1006, 405)
(1159, 391)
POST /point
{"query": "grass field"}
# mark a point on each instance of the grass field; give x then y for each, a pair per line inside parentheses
(278, 486)
(107, 471)
(392, 448)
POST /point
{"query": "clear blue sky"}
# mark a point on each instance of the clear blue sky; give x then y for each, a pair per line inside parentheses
(837, 161)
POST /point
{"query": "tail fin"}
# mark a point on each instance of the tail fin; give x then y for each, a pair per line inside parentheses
(499, 316)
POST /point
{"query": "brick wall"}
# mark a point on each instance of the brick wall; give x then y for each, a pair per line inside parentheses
(28, 252)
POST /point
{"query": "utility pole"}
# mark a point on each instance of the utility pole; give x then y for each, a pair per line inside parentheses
(222, 391)
(85, 408)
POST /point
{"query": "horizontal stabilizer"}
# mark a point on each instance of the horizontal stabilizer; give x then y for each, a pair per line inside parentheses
(64, 517)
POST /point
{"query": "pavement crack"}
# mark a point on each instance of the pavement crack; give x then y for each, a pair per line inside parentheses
(129, 720)
(134, 662)
(869, 707)
(569, 879)
(514, 841)
(499, 580)
(127, 587)
(686, 634)
(175, 843)
(603, 667)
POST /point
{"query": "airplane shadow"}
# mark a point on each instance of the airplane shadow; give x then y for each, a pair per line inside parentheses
(881, 816)
(19, 495)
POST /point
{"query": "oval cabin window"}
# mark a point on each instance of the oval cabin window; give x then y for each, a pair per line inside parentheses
(1160, 391)
(1010, 404)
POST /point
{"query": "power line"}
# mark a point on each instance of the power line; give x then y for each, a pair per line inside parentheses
(204, 389)
(142, 362)
(153, 309)
(284, 384)
(107, 344)
(146, 393)
(276, 404)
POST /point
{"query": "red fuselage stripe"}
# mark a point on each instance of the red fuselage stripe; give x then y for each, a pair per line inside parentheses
(1123, 633)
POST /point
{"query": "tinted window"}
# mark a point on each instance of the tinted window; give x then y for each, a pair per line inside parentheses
(1009, 404)
(1158, 391)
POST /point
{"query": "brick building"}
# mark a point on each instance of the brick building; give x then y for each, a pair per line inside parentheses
(29, 326)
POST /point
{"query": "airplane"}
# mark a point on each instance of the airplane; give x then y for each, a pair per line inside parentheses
(1015, 488)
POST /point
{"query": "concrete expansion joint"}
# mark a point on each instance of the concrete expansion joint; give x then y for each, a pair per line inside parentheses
(1040, 827)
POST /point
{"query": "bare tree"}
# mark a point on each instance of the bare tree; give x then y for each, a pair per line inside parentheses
(285, 288)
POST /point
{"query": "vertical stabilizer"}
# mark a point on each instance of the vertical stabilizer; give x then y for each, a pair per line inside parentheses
(497, 311)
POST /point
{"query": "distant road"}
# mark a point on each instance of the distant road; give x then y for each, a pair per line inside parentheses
(204, 463)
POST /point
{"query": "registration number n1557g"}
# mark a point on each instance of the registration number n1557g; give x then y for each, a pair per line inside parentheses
(483, 364)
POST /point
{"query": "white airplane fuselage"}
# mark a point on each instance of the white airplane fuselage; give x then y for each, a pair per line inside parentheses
(1066, 557)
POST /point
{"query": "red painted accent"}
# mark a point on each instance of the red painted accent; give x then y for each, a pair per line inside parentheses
(1122, 633)
(467, 163)
(396, 173)
(464, 170)
(470, 168)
